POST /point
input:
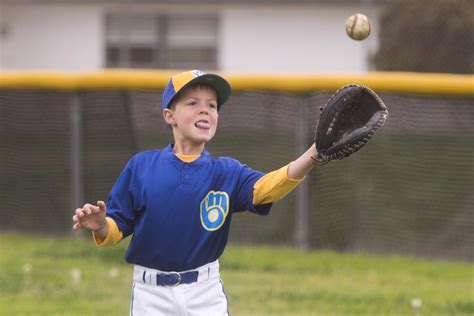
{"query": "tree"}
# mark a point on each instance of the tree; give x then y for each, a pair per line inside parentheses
(427, 36)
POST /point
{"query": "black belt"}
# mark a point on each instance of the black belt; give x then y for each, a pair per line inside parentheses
(175, 278)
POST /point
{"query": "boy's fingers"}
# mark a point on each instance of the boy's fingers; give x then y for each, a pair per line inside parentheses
(76, 226)
(79, 212)
(87, 209)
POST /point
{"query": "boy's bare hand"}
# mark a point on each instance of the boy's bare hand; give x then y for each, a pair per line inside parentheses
(90, 217)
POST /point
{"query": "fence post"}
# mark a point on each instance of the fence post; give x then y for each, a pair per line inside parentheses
(302, 205)
(76, 163)
(127, 103)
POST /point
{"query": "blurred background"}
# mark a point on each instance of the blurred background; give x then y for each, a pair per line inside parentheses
(260, 36)
(410, 191)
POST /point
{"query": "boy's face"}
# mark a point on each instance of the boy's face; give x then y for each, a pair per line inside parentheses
(194, 116)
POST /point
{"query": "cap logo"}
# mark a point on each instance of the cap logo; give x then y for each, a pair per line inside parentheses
(198, 73)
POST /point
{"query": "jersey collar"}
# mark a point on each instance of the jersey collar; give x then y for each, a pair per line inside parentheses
(205, 155)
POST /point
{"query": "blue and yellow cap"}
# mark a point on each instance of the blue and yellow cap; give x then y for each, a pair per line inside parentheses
(183, 80)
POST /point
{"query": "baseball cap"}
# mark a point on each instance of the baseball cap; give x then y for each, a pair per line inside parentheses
(183, 80)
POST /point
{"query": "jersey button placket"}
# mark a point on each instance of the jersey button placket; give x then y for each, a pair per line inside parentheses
(186, 177)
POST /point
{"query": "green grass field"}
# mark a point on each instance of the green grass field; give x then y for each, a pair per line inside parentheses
(70, 276)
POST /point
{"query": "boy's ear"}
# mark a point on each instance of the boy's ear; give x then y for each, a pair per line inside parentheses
(168, 116)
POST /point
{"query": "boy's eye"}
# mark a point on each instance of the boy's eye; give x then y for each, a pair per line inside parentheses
(213, 105)
(192, 103)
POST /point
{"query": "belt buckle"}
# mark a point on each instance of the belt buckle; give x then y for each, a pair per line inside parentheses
(179, 278)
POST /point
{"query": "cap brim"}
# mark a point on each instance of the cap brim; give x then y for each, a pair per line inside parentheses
(222, 87)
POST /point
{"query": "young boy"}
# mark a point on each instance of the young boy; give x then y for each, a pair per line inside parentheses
(178, 203)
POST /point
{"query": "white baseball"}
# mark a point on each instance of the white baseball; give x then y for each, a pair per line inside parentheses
(358, 27)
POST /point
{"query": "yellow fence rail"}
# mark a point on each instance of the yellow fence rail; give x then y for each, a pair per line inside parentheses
(399, 82)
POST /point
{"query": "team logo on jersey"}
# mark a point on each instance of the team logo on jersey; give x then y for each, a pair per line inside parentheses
(214, 210)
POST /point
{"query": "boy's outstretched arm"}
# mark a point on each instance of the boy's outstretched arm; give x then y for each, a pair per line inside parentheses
(277, 184)
(303, 164)
(92, 217)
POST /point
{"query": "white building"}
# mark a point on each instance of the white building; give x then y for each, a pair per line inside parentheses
(259, 36)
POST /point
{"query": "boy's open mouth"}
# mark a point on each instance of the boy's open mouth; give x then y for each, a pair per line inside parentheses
(204, 124)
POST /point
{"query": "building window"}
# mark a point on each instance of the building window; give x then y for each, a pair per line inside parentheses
(161, 41)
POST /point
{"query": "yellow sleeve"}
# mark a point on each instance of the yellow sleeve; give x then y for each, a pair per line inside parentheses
(113, 236)
(273, 186)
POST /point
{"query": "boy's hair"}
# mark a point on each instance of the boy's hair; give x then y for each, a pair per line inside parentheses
(194, 86)
(181, 81)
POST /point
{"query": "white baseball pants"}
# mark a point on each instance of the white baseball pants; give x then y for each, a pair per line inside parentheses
(205, 297)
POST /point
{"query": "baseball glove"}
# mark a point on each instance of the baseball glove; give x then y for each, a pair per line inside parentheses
(348, 121)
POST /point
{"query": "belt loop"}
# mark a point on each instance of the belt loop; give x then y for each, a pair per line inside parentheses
(144, 273)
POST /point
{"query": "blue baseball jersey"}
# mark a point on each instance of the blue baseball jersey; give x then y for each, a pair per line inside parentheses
(180, 213)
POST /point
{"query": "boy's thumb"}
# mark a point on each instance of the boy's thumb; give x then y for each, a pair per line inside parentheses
(101, 205)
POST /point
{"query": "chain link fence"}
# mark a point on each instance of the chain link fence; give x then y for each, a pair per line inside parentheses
(409, 191)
